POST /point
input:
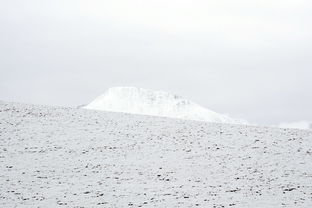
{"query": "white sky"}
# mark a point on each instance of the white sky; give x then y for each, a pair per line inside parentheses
(250, 59)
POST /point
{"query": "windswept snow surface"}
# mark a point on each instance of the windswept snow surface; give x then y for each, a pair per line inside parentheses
(156, 103)
(64, 157)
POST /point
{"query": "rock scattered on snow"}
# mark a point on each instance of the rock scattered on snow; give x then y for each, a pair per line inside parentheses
(64, 157)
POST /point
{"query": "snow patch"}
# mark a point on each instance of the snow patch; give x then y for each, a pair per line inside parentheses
(297, 125)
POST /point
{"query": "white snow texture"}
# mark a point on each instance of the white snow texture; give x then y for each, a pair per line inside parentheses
(155, 103)
(65, 157)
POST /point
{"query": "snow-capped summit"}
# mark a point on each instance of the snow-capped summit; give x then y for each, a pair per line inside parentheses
(156, 103)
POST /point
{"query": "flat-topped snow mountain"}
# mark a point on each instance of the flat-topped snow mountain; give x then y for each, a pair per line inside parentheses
(66, 157)
(156, 103)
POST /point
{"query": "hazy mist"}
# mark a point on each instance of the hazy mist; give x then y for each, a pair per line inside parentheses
(249, 59)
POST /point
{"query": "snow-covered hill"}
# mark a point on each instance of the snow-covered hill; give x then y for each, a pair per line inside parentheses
(156, 103)
(66, 157)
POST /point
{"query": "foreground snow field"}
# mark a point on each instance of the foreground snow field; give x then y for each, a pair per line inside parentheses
(64, 157)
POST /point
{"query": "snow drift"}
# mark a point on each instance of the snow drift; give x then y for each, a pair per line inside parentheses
(156, 103)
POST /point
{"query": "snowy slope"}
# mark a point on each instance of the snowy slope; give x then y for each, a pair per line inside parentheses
(156, 103)
(297, 125)
(63, 157)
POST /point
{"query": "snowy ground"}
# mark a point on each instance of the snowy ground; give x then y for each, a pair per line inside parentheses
(63, 157)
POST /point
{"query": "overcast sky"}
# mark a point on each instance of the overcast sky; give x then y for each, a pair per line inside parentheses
(251, 59)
